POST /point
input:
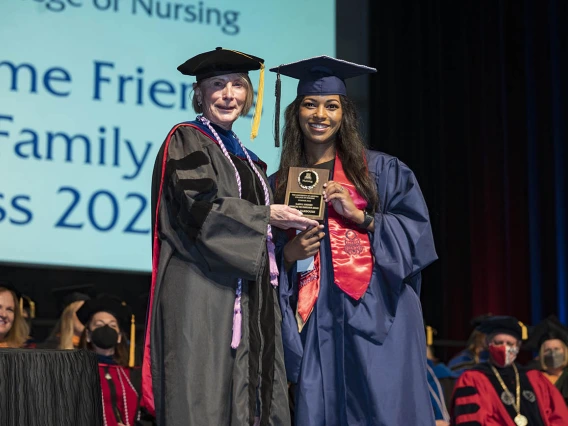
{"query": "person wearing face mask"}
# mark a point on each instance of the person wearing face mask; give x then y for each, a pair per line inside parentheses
(105, 319)
(550, 338)
(502, 393)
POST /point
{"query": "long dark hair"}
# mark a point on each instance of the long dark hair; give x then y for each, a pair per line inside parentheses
(349, 147)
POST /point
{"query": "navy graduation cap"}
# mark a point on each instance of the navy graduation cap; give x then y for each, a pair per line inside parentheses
(321, 76)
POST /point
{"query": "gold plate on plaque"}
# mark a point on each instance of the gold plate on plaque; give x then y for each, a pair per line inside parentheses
(305, 190)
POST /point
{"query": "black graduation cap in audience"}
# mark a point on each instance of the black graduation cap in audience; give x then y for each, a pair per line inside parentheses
(8, 285)
(74, 293)
(321, 75)
(116, 307)
(548, 329)
(476, 321)
(106, 303)
(503, 325)
(23, 300)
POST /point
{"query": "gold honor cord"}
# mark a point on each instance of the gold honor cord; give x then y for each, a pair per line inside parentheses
(259, 98)
(131, 358)
(519, 419)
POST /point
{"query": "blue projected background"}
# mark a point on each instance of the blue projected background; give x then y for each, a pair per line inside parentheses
(88, 91)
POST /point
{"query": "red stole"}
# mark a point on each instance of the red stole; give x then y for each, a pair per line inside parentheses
(351, 255)
(124, 392)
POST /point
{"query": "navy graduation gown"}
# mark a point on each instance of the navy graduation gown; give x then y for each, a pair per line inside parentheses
(364, 362)
(208, 239)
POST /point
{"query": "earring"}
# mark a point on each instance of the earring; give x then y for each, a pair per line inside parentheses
(198, 103)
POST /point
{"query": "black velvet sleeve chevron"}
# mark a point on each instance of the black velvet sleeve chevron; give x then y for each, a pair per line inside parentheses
(465, 402)
(201, 200)
(190, 217)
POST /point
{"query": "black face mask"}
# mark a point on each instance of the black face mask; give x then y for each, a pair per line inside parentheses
(104, 337)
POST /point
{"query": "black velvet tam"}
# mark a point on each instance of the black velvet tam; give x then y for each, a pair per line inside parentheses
(219, 62)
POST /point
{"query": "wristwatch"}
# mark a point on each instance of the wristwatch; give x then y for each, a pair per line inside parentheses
(367, 221)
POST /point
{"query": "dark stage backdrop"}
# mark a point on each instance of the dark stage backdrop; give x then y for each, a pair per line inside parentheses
(473, 97)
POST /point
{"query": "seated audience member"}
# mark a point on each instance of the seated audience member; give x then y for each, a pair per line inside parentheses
(550, 338)
(67, 332)
(106, 320)
(14, 330)
(437, 395)
(500, 392)
(475, 351)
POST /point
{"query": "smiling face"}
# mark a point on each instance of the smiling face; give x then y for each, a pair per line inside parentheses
(320, 118)
(223, 98)
(7, 313)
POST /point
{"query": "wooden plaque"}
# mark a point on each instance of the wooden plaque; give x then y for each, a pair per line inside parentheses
(304, 190)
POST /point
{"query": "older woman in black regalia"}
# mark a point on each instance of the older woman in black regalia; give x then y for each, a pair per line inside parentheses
(213, 351)
(352, 324)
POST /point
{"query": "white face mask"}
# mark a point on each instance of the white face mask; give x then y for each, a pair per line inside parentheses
(554, 359)
(503, 355)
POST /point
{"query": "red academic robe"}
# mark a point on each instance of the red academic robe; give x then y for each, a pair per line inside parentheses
(484, 407)
(114, 408)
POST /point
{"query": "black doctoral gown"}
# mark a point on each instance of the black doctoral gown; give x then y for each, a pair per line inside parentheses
(208, 238)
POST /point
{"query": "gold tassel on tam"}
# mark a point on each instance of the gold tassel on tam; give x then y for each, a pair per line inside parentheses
(132, 341)
(32, 308)
(430, 335)
(31, 303)
(259, 98)
(258, 107)
(524, 333)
